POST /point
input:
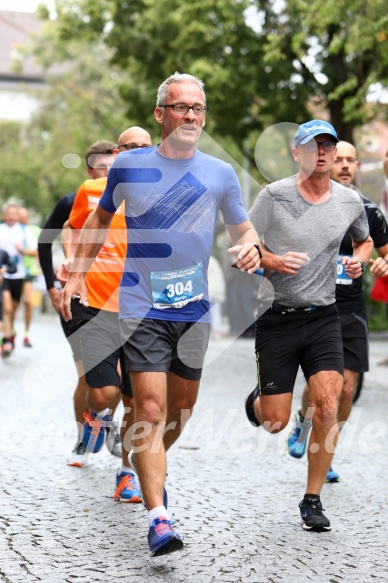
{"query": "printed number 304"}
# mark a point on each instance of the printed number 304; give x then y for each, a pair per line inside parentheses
(179, 288)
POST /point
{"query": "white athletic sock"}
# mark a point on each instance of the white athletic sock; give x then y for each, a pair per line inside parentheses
(155, 512)
(126, 470)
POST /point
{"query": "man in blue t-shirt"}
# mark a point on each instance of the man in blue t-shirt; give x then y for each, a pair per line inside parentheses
(172, 194)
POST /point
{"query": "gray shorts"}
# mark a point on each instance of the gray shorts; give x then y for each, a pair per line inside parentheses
(163, 346)
(101, 350)
(72, 327)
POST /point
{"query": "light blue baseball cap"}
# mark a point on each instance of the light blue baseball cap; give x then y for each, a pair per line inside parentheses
(307, 131)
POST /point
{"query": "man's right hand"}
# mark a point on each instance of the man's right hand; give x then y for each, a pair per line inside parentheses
(74, 287)
(291, 262)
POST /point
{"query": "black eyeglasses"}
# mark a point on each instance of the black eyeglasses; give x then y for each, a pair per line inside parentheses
(184, 108)
(132, 146)
(328, 146)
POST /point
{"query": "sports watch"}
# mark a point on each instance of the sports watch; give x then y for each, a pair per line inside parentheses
(363, 266)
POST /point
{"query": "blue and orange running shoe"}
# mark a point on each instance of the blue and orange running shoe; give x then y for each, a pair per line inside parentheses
(162, 539)
(127, 488)
(94, 431)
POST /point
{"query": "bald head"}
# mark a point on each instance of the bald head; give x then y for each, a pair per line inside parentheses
(345, 164)
(133, 138)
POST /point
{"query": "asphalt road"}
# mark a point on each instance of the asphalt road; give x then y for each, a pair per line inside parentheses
(233, 490)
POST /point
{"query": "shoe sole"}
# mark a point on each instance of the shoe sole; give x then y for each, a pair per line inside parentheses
(249, 408)
(76, 464)
(171, 546)
(333, 480)
(134, 500)
(315, 528)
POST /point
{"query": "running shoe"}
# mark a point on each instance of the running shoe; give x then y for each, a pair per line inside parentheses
(78, 457)
(332, 477)
(249, 410)
(27, 343)
(6, 347)
(162, 539)
(94, 431)
(312, 515)
(113, 439)
(131, 462)
(298, 437)
(127, 488)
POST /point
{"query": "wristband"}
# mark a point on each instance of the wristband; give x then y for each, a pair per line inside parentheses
(260, 253)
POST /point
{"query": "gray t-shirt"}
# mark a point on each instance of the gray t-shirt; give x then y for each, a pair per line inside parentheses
(290, 223)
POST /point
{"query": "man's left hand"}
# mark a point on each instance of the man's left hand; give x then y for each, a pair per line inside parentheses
(353, 267)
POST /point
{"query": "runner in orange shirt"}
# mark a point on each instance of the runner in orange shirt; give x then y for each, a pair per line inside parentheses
(102, 353)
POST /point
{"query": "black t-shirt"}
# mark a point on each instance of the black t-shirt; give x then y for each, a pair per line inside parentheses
(51, 229)
(350, 297)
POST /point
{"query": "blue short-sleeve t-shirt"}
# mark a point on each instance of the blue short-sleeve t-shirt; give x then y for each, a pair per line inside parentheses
(171, 208)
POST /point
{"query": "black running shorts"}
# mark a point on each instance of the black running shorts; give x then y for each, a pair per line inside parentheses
(285, 341)
(14, 286)
(72, 327)
(162, 346)
(354, 328)
(102, 350)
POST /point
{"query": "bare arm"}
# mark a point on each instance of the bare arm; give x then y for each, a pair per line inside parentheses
(289, 263)
(70, 239)
(27, 252)
(92, 237)
(379, 266)
(361, 252)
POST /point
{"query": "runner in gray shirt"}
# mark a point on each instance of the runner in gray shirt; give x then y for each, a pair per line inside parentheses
(298, 322)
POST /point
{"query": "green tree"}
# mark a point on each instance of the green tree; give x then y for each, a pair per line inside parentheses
(340, 48)
(207, 38)
(304, 56)
(80, 105)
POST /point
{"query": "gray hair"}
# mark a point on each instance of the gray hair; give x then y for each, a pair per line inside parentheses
(177, 78)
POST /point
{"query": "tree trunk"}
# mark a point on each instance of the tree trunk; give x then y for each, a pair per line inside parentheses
(345, 130)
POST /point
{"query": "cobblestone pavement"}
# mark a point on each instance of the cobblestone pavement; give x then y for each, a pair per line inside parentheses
(233, 490)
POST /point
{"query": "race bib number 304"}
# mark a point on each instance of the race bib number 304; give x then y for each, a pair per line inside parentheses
(175, 289)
